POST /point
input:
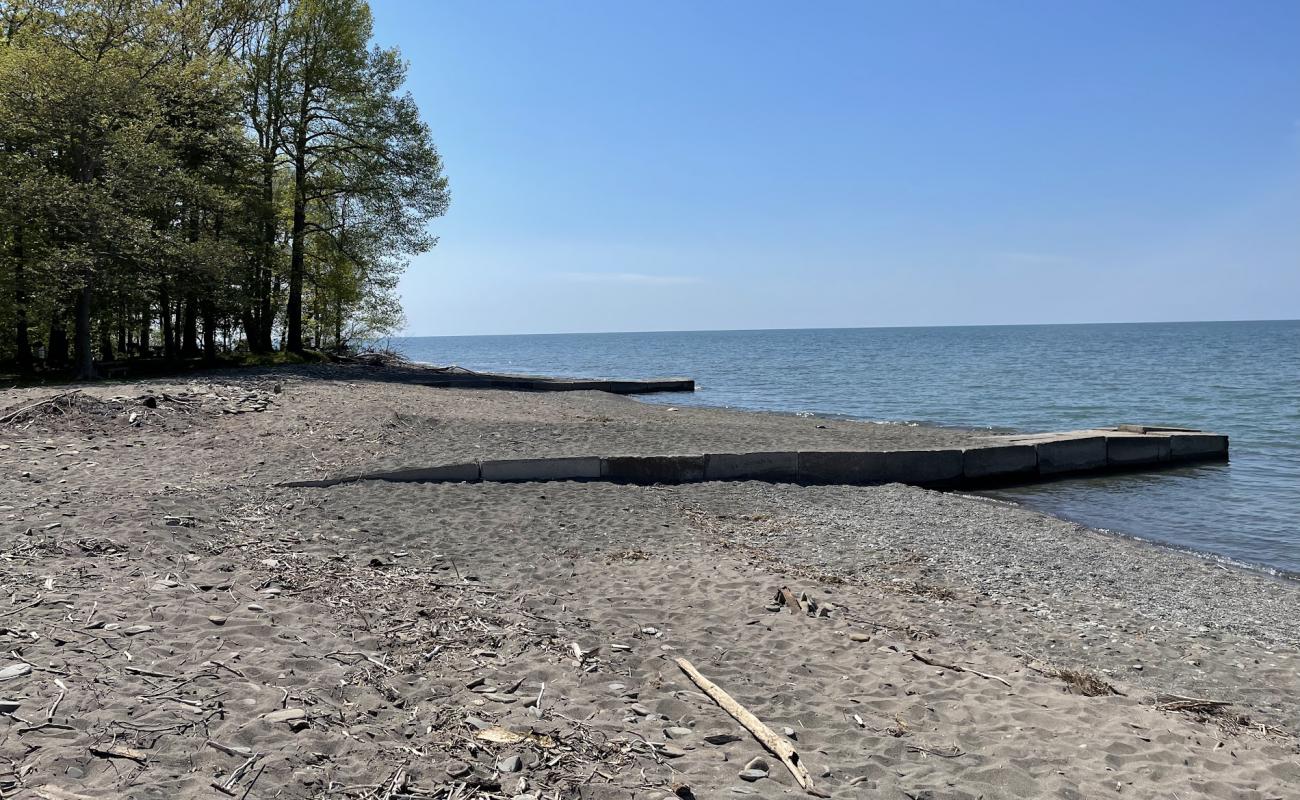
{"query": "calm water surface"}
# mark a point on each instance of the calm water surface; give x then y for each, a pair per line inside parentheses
(1238, 378)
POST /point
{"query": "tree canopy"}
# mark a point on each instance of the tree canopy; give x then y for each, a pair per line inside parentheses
(190, 177)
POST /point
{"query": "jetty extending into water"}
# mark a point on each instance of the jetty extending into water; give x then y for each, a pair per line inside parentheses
(458, 378)
(1006, 459)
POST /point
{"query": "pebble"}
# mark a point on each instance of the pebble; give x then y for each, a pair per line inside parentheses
(14, 671)
(758, 763)
(859, 637)
(457, 769)
(789, 732)
(286, 715)
(639, 710)
(670, 750)
(217, 619)
(773, 607)
(677, 733)
(752, 775)
(256, 607)
(721, 738)
(510, 764)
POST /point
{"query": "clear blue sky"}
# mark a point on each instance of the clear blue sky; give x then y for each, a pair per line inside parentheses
(709, 165)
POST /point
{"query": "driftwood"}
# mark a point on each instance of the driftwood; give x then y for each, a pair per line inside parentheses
(778, 746)
(1176, 702)
(958, 668)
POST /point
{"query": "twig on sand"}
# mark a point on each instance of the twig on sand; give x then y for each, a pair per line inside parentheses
(1175, 702)
(1079, 680)
(955, 752)
(957, 668)
(766, 736)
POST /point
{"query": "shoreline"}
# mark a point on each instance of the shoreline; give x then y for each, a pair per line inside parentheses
(368, 619)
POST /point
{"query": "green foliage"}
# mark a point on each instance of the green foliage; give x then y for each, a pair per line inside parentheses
(230, 172)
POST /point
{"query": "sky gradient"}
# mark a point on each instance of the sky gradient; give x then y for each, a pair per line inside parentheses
(686, 166)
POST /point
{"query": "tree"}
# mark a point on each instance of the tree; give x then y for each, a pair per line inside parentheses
(355, 144)
(233, 166)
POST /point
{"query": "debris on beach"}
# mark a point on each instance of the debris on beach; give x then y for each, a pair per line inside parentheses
(136, 410)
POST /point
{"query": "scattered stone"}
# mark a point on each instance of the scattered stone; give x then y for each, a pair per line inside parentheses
(217, 619)
(773, 607)
(789, 732)
(457, 769)
(9, 706)
(14, 671)
(858, 636)
(510, 764)
(136, 630)
(758, 763)
(677, 733)
(500, 697)
(669, 750)
(721, 738)
(256, 607)
(640, 710)
(286, 715)
(752, 775)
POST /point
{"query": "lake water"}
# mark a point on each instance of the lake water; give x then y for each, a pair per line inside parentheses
(1238, 378)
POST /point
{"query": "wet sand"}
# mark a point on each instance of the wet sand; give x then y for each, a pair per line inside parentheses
(169, 615)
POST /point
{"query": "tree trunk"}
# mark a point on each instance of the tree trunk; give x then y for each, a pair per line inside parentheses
(105, 342)
(57, 357)
(190, 327)
(22, 342)
(259, 340)
(177, 327)
(85, 357)
(296, 254)
(338, 325)
(145, 324)
(165, 313)
(209, 331)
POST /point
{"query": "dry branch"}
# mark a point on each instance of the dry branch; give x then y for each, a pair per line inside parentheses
(957, 668)
(778, 746)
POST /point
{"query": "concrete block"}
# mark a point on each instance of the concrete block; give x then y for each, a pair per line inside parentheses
(1070, 454)
(1122, 451)
(447, 473)
(1194, 446)
(653, 469)
(541, 469)
(1002, 460)
(751, 466)
(1129, 427)
(923, 467)
(842, 466)
(321, 483)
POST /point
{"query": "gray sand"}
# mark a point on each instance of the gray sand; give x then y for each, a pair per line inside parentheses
(374, 609)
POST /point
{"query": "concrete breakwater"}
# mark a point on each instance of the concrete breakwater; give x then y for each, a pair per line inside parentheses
(465, 379)
(996, 460)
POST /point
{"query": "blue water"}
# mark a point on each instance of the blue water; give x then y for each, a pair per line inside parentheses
(1238, 378)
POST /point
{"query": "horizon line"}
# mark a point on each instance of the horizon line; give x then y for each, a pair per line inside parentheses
(841, 328)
